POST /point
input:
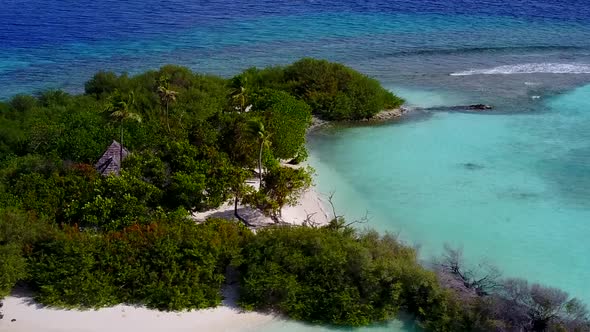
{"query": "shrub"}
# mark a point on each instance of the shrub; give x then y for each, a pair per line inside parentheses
(104, 83)
(118, 202)
(336, 92)
(334, 276)
(171, 265)
(18, 231)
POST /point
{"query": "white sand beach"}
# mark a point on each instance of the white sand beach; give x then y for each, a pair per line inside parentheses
(311, 206)
(31, 317)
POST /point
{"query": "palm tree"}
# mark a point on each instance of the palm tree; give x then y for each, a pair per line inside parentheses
(120, 108)
(256, 129)
(239, 93)
(239, 98)
(167, 96)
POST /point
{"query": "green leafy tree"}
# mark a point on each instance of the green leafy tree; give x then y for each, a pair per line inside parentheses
(336, 92)
(286, 119)
(282, 186)
(105, 83)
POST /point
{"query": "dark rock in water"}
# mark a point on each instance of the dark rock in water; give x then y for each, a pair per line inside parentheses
(479, 107)
(13, 320)
(460, 108)
(472, 166)
(1, 316)
(524, 195)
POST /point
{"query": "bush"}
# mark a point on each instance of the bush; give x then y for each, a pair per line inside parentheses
(12, 267)
(335, 276)
(172, 265)
(104, 83)
(118, 202)
(18, 231)
(336, 92)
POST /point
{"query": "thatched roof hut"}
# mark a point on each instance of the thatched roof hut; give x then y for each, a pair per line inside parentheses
(110, 162)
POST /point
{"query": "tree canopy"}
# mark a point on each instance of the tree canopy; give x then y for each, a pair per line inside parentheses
(332, 90)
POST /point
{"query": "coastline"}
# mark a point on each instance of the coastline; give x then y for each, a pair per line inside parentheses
(381, 117)
(388, 115)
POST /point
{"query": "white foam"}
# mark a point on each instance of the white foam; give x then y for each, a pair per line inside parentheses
(530, 68)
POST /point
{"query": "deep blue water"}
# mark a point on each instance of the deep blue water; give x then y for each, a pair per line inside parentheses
(60, 44)
(527, 205)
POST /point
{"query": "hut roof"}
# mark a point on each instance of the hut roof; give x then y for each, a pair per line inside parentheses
(110, 162)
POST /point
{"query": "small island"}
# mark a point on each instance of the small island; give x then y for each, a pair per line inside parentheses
(149, 190)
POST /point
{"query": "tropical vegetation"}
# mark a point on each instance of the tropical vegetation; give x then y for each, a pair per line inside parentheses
(80, 238)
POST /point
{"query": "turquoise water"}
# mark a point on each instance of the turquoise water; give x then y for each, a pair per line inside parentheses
(512, 189)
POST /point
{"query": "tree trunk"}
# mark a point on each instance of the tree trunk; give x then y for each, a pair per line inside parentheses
(260, 164)
(237, 215)
(121, 150)
(167, 121)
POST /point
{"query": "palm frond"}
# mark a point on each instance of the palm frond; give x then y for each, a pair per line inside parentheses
(134, 117)
(118, 114)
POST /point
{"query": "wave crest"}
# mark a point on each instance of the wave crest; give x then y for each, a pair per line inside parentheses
(530, 68)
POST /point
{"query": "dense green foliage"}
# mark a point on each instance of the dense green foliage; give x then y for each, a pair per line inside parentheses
(333, 91)
(80, 239)
(166, 265)
(336, 92)
(188, 144)
(18, 232)
(287, 119)
(191, 151)
(337, 276)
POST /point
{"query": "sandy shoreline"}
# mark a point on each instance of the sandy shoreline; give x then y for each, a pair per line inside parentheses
(384, 116)
(31, 317)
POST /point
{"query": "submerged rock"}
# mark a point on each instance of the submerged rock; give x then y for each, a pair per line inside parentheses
(472, 166)
(479, 107)
(460, 108)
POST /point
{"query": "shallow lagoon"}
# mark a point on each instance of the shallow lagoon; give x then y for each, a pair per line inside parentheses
(511, 189)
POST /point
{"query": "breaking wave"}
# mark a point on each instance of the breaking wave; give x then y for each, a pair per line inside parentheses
(530, 68)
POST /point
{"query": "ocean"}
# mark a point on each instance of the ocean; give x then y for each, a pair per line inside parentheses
(510, 186)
